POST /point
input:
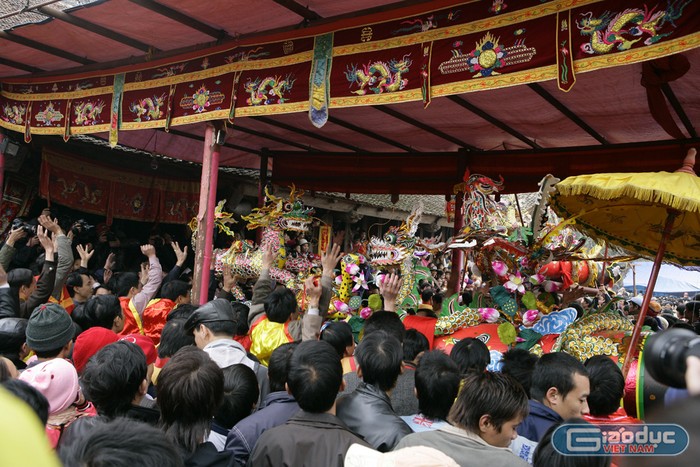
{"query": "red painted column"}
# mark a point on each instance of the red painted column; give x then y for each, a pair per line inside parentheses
(205, 217)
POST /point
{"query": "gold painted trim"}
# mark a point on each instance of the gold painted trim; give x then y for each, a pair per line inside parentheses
(142, 125)
(641, 54)
(516, 17)
(255, 110)
(58, 95)
(86, 130)
(221, 70)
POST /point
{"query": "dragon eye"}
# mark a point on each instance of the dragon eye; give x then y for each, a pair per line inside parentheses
(390, 238)
(288, 206)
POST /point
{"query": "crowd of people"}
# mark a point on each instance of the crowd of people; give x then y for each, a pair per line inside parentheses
(105, 361)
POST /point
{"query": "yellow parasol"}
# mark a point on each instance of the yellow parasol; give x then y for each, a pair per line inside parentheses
(653, 214)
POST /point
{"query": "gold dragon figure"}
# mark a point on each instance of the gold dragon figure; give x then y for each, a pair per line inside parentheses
(269, 90)
(275, 217)
(379, 77)
(148, 108)
(628, 27)
(87, 113)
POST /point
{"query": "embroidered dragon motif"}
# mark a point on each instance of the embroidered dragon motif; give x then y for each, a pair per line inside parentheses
(379, 77)
(268, 90)
(88, 113)
(14, 113)
(148, 108)
(624, 29)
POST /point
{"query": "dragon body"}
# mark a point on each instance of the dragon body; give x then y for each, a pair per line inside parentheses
(148, 108)
(394, 252)
(88, 113)
(268, 90)
(379, 77)
(275, 217)
(624, 29)
(14, 113)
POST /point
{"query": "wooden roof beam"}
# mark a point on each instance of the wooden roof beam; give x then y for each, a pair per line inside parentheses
(425, 127)
(304, 12)
(675, 103)
(182, 18)
(493, 120)
(369, 134)
(311, 134)
(237, 147)
(277, 139)
(19, 66)
(45, 48)
(96, 29)
(568, 113)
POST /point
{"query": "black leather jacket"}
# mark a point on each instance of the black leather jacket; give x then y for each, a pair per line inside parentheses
(368, 412)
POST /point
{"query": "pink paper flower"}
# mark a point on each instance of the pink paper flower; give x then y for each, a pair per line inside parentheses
(530, 317)
(551, 286)
(499, 267)
(352, 269)
(537, 279)
(338, 280)
(360, 282)
(515, 283)
(366, 312)
(341, 307)
(489, 315)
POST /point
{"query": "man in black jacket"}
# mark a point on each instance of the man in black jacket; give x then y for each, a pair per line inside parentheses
(368, 410)
(314, 436)
(115, 381)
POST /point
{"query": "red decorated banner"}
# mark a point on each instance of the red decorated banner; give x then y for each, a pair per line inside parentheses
(99, 189)
(407, 54)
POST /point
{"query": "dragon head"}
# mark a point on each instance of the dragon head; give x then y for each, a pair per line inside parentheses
(588, 24)
(281, 214)
(397, 244)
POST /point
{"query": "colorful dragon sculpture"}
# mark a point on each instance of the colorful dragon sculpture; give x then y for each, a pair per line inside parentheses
(394, 252)
(379, 77)
(275, 217)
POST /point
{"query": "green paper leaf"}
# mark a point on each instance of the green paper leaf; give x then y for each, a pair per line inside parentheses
(507, 333)
(510, 307)
(531, 338)
(529, 300)
(500, 295)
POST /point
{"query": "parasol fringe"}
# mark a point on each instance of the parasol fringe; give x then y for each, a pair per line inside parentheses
(671, 200)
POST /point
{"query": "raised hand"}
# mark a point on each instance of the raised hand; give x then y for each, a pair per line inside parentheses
(85, 253)
(313, 291)
(148, 250)
(180, 254)
(269, 256)
(389, 287)
(16, 234)
(329, 259)
(50, 224)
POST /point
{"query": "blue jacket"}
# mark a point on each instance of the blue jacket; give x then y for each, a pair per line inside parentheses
(536, 424)
(277, 408)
